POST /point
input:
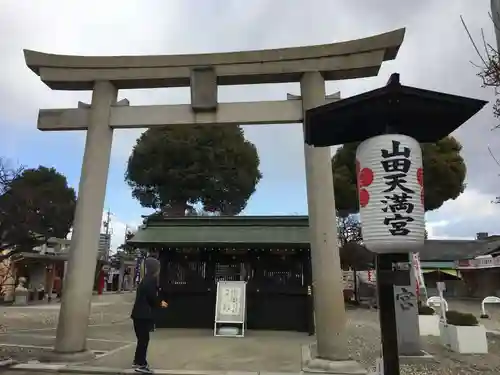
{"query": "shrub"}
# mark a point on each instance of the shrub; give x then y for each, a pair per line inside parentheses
(425, 310)
(458, 318)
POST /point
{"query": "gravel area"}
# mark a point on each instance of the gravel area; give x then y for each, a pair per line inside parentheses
(364, 345)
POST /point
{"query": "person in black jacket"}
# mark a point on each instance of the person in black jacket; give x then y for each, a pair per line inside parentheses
(146, 302)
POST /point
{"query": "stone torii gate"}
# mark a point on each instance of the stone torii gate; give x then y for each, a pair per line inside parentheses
(310, 66)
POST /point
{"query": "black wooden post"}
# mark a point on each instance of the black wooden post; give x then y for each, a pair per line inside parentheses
(392, 269)
(387, 312)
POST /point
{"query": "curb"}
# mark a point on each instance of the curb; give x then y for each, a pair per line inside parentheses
(7, 362)
(91, 370)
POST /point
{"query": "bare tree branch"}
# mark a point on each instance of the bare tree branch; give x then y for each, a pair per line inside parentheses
(490, 67)
(489, 71)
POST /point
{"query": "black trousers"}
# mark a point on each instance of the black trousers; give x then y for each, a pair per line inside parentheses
(142, 327)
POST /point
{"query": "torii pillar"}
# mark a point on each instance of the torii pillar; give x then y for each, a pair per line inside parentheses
(203, 73)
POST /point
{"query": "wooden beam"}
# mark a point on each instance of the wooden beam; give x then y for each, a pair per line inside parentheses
(124, 116)
(63, 119)
(129, 117)
(351, 59)
(329, 98)
(341, 67)
(121, 103)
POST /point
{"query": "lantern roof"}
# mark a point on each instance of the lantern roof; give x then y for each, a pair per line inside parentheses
(424, 115)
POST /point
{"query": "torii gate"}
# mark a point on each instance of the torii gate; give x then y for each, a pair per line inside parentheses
(310, 66)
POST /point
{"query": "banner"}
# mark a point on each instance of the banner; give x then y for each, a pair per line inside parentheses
(139, 266)
(419, 276)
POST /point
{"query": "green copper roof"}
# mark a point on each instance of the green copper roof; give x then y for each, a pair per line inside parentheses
(270, 231)
(248, 230)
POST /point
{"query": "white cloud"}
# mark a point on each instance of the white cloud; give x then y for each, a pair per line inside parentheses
(432, 226)
(470, 202)
(138, 27)
(117, 229)
(464, 217)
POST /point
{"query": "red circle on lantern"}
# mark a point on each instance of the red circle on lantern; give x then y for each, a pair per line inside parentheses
(420, 176)
(364, 197)
(365, 177)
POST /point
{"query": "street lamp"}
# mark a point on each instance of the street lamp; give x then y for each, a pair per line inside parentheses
(391, 122)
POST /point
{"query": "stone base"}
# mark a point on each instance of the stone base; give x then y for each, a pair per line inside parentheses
(59, 357)
(423, 356)
(21, 299)
(312, 364)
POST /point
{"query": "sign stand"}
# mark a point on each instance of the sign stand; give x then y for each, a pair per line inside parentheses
(230, 309)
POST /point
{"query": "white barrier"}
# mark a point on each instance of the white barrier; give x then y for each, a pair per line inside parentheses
(489, 299)
(435, 301)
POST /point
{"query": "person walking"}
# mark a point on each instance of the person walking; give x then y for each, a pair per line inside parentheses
(146, 302)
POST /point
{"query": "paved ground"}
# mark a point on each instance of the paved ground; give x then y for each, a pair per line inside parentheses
(28, 331)
(31, 330)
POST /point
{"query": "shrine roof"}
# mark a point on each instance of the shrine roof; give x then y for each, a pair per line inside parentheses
(424, 115)
(274, 231)
(223, 230)
(452, 250)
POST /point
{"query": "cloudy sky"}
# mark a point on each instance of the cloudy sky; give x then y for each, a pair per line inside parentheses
(436, 54)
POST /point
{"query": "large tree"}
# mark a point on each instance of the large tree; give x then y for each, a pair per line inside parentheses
(352, 253)
(173, 168)
(444, 174)
(348, 229)
(35, 204)
(126, 248)
(124, 251)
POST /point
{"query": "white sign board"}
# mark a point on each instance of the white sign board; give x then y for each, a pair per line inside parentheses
(230, 309)
(478, 263)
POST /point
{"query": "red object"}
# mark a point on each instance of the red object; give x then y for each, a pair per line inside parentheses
(365, 177)
(100, 282)
(364, 197)
(57, 285)
(420, 177)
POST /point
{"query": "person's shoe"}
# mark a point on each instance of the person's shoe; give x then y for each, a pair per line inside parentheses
(144, 370)
(135, 365)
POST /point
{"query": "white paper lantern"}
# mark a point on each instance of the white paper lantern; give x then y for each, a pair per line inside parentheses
(391, 193)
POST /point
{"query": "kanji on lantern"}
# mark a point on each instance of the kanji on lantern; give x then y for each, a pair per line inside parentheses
(390, 185)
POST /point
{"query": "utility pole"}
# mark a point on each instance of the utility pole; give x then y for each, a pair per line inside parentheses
(125, 235)
(122, 258)
(107, 233)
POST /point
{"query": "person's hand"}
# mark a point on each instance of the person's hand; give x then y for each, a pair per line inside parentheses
(164, 304)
